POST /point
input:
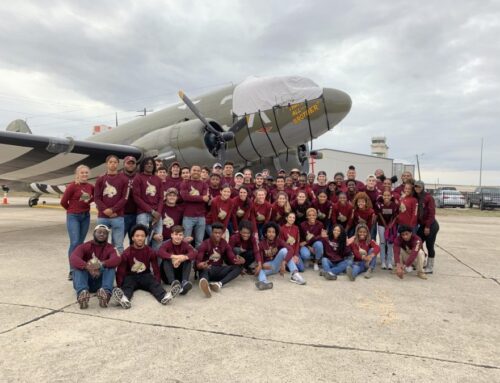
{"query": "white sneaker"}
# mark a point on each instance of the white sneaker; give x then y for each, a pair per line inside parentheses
(384, 266)
(316, 267)
(167, 298)
(120, 298)
(389, 267)
(408, 269)
(215, 286)
(297, 278)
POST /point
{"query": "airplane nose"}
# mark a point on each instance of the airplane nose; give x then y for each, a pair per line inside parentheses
(338, 104)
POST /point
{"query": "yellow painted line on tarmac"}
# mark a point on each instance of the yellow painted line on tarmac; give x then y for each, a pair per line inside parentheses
(47, 206)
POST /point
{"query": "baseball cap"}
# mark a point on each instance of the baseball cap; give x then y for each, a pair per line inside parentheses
(130, 158)
(217, 165)
(258, 175)
(171, 190)
(101, 226)
(282, 171)
(420, 183)
(238, 174)
(294, 170)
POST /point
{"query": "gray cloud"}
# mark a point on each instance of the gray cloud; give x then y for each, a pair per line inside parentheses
(423, 74)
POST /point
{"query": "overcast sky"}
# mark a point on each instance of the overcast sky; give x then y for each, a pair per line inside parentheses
(424, 74)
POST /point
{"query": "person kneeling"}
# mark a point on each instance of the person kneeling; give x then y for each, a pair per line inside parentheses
(134, 272)
(273, 257)
(336, 257)
(212, 254)
(94, 265)
(407, 252)
(177, 256)
(244, 244)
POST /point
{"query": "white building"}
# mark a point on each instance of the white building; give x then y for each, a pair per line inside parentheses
(379, 146)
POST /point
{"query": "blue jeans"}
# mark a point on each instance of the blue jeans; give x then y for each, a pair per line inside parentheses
(360, 267)
(145, 219)
(78, 226)
(373, 231)
(129, 221)
(196, 224)
(335, 268)
(117, 226)
(276, 264)
(386, 257)
(306, 255)
(82, 280)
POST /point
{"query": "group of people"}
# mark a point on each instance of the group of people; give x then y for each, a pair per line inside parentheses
(221, 224)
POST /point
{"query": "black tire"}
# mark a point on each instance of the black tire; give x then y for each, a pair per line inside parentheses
(32, 202)
(481, 205)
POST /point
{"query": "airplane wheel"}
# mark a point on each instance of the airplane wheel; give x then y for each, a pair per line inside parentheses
(33, 201)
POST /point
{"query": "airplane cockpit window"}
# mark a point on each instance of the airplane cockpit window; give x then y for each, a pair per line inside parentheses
(262, 93)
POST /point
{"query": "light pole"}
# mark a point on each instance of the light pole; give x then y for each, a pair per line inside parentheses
(481, 163)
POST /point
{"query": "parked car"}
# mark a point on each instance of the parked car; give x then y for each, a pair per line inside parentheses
(449, 198)
(484, 197)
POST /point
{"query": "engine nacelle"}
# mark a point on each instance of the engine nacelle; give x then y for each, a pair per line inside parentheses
(187, 141)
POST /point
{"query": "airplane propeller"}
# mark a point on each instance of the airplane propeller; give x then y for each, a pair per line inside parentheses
(219, 138)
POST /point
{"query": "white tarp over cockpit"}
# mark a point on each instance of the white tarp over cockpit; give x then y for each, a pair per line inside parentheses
(262, 93)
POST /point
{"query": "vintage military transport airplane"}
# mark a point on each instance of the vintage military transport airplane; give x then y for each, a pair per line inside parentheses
(263, 122)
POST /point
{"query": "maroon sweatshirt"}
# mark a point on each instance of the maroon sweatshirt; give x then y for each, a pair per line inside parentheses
(268, 250)
(137, 261)
(428, 216)
(407, 212)
(342, 214)
(215, 253)
(413, 246)
(192, 193)
(331, 250)
(148, 193)
(317, 188)
(220, 211)
(77, 198)
(373, 195)
(363, 216)
(111, 192)
(106, 253)
(278, 214)
(362, 248)
(273, 194)
(300, 211)
(262, 212)
(389, 212)
(310, 233)
(173, 183)
(130, 207)
(172, 215)
(243, 210)
(291, 235)
(251, 244)
(324, 211)
(168, 249)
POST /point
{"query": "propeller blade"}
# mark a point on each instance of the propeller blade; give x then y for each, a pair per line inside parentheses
(197, 113)
(238, 125)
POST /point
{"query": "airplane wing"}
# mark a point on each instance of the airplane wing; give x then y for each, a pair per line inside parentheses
(51, 160)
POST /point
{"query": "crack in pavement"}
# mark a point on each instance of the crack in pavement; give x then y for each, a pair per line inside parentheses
(468, 266)
(35, 319)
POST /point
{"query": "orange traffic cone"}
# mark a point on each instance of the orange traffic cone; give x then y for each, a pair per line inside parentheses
(5, 200)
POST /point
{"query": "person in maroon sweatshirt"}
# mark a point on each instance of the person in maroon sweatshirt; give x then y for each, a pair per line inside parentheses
(261, 210)
(94, 265)
(311, 246)
(408, 252)
(342, 212)
(274, 256)
(110, 196)
(194, 193)
(130, 208)
(373, 193)
(324, 208)
(227, 173)
(335, 252)
(363, 212)
(408, 205)
(428, 227)
(300, 206)
(76, 201)
(406, 177)
(304, 186)
(221, 209)
(243, 210)
(365, 251)
(148, 195)
(351, 176)
(280, 188)
(332, 191)
(173, 178)
(280, 208)
(134, 272)
(177, 256)
(351, 190)
(248, 180)
(321, 185)
(172, 213)
(388, 210)
(212, 254)
(290, 233)
(244, 244)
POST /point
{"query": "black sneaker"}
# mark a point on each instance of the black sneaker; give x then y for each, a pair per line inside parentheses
(175, 288)
(120, 298)
(186, 286)
(83, 299)
(264, 285)
(70, 276)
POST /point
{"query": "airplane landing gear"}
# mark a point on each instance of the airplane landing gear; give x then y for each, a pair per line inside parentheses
(33, 201)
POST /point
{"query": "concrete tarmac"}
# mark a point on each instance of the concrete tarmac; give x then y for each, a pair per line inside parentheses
(383, 329)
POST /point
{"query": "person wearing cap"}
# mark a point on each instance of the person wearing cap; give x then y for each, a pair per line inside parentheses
(110, 196)
(134, 272)
(76, 201)
(130, 208)
(227, 173)
(93, 264)
(282, 172)
(428, 227)
(408, 252)
(194, 193)
(148, 195)
(259, 184)
(172, 212)
(321, 185)
(295, 174)
(173, 178)
(217, 169)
